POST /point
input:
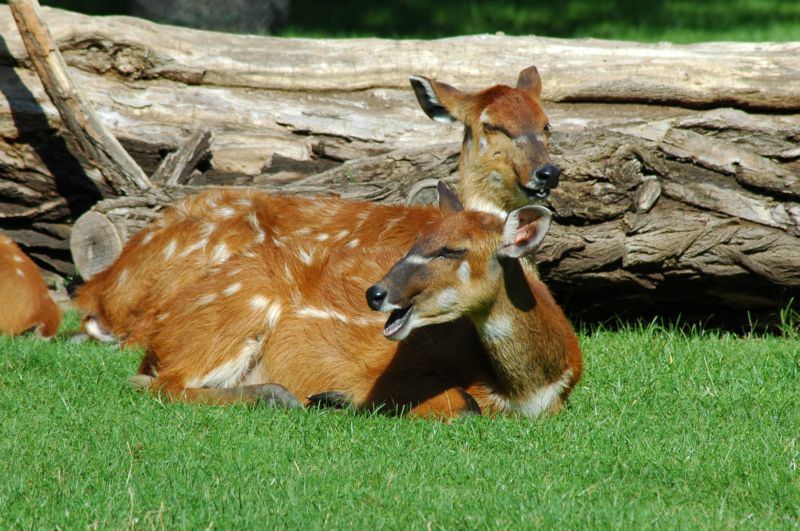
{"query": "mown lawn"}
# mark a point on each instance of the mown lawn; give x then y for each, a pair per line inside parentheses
(666, 430)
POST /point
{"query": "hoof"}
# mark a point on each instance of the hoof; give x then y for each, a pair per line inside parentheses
(141, 381)
(273, 395)
(330, 399)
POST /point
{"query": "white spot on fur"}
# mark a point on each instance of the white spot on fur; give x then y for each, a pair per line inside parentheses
(206, 299)
(226, 212)
(162, 317)
(123, 276)
(352, 243)
(305, 231)
(273, 314)
(20, 272)
(247, 203)
(233, 288)
(230, 373)
(208, 229)
(252, 219)
(220, 253)
(305, 257)
(483, 145)
(343, 234)
(322, 237)
(278, 242)
(288, 272)
(259, 302)
(18, 259)
(148, 238)
(170, 249)
(464, 272)
(194, 247)
(321, 313)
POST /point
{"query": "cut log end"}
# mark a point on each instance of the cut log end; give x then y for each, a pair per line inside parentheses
(95, 244)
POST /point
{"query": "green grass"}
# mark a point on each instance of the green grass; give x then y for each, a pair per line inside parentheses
(679, 21)
(665, 430)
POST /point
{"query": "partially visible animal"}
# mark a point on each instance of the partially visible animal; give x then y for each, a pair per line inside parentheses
(504, 164)
(468, 331)
(25, 302)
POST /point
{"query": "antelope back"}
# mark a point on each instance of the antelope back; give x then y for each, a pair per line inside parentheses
(26, 302)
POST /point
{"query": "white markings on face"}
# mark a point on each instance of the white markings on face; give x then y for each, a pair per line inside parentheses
(416, 259)
(447, 298)
(220, 253)
(258, 302)
(206, 299)
(226, 212)
(321, 313)
(352, 244)
(170, 249)
(464, 272)
(304, 257)
(321, 237)
(20, 273)
(17, 259)
(484, 117)
(233, 288)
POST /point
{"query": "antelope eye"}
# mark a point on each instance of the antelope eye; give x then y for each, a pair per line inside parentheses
(489, 128)
(450, 254)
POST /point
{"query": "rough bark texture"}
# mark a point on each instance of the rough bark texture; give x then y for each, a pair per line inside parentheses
(680, 163)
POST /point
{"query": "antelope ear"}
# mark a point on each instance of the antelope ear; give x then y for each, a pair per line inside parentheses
(448, 201)
(524, 230)
(440, 101)
(530, 82)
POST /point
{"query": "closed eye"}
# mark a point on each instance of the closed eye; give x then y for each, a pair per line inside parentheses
(450, 254)
(490, 128)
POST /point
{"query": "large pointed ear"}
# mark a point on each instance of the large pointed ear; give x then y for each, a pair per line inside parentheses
(530, 82)
(448, 201)
(524, 230)
(440, 101)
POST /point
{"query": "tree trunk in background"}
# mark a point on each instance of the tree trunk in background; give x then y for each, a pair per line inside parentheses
(680, 164)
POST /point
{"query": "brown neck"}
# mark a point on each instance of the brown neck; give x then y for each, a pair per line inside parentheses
(474, 191)
(523, 334)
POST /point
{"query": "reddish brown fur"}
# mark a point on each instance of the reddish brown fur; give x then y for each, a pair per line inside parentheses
(312, 332)
(26, 302)
(150, 277)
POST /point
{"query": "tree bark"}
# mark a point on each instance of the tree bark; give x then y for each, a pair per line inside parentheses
(680, 163)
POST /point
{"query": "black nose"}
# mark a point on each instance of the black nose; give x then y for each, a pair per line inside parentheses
(547, 176)
(375, 296)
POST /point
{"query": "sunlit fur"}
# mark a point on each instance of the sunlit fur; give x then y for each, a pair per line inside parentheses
(174, 252)
(315, 333)
(26, 303)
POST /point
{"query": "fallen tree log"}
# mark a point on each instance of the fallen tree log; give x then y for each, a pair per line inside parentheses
(676, 187)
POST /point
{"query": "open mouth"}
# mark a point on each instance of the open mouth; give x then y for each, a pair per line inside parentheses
(535, 193)
(396, 326)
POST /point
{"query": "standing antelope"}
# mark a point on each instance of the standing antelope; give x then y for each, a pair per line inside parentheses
(269, 325)
(503, 165)
(25, 302)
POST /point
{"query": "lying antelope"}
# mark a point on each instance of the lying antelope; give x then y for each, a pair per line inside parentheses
(268, 325)
(503, 165)
(26, 303)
